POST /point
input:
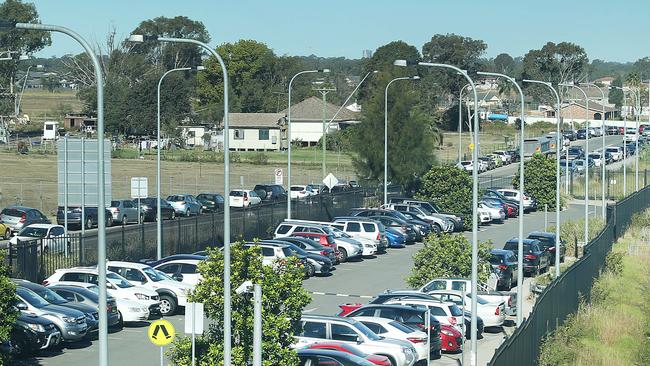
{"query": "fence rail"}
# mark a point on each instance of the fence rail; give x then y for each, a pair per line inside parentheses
(562, 297)
(30, 259)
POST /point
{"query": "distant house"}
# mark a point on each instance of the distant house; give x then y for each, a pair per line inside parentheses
(578, 109)
(193, 135)
(81, 122)
(257, 131)
(307, 120)
(606, 81)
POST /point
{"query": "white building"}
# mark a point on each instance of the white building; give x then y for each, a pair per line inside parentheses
(257, 131)
(193, 135)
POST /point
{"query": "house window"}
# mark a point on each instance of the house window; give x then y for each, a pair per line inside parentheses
(239, 134)
(264, 134)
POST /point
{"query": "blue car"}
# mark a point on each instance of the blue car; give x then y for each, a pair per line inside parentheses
(395, 238)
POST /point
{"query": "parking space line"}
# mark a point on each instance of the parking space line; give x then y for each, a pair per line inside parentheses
(341, 295)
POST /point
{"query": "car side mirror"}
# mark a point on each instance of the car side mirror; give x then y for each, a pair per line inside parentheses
(178, 277)
(110, 285)
(359, 340)
(21, 306)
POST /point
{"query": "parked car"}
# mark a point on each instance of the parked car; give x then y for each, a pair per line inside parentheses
(438, 222)
(90, 215)
(149, 208)
(310, 246)
(17, 217)
(211, 202)
(327, 357)
(185, 204)
(581, 134)
(484, 215)
(320, 263)
(444, 312)
(569, 134)
(576, 152)
(597, 157)
(505, 157)
(491, 164)
(70, 323)
(348, 348)
(530, 203)
(347, 247)
(465, 165)
(184, 270)
(31, 333)
(536, 259)
(399, 225)
(611, 130)
(316, 328)
(322, 239)
(494, 210)
(457, 219)
(396, 239)
(493, 314)
(301, 191)
(548, 243)
(173, 294)
(243, 198)
(504, 265)
(84, 296)
(390, 328)
(52, 237)
(616, 151)
(125, 211)
(270, 192)
(5, 231)
(361, 227)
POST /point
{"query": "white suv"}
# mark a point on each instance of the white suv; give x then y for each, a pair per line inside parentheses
(493, 314)
(360, 227)
(316, 328)
(271, 252)
(349, 248)
(444, 312)
(172, 293)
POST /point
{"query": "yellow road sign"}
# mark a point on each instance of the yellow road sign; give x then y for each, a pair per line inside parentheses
(471, 146)
(161, 332)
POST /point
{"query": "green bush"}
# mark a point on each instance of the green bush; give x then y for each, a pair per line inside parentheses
(539, 180)
(258, 158)
(450, 188)
(7, 299)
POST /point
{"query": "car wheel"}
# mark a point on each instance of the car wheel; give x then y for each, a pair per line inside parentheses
(7, 234)
(125, 220)
(89, 223)
(167, 305)
(109, 221)
(173, 215)
(120, 321)
(390, 360)
(309, 270)
(436, 229)
(187, 213)
(344, 255)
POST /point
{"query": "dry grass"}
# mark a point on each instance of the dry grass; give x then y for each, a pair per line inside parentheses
(41, 104)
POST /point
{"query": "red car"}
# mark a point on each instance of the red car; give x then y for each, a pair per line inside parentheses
(451, 338)
(322, 239)
(342, 347)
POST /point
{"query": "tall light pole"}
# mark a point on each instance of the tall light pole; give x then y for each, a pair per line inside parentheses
(386, 132)
(558, 150)
(289, 136)
(624, 141)
(474, 279)
(227, 303)
(520, 248)
(158, 190)
(586, 236)
(101, 213)
(460, 122)
(602, 160)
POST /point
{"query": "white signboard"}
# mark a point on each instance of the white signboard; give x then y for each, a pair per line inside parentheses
(279, 176)
(330, 181)
(194, 318)
(139, 187)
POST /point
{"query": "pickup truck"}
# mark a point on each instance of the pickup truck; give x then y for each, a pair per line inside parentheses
(508, 298)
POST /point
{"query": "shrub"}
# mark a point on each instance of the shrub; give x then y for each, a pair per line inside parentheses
(450, 188)
(539, 180)
(7, 299)
(259, 158)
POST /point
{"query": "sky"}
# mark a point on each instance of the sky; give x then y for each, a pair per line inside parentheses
(608, 30)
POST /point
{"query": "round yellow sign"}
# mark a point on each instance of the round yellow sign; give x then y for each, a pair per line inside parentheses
(161, 332)
(471, 146)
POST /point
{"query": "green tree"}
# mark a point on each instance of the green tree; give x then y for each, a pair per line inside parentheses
(615, 96)
(284, 298)
(7, 300)
(504, 63)
(450, 188)
(539, 179)
(448, 256)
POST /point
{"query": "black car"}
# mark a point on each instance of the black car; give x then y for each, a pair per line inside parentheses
(149, 209)
(412, 316)
(367, 212)
(399, 224)
(422, 227)
(582, 134)
(317, 357)
(90, 216)
(612, 130)
(536, 259)
(548, 243)
(576, 152)
(569, 134)
(211, 202)
(310, 246)
(504, 265)
(82, 295)
(31, 333)
(270, 192)
(515, 155)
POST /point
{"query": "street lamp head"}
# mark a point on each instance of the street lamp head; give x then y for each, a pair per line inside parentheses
(416, 77)
(324, 71)
(198, 68)
(139, 38)
(23, 57)
(401, 63)
(375, 71)
(7, 25)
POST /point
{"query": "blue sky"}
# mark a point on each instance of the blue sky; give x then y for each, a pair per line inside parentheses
(608, 30)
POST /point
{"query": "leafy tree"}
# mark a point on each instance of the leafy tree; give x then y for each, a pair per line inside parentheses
(642, 67)
(7, 299)
(557, 63)
(448, 256)
(19, 40)
(615, 96)
(504, 63)
(450, 188)
(539, 179)
(283, 301)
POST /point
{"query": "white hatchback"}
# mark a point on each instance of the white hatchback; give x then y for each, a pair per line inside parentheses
(390, 328)
(243, 198)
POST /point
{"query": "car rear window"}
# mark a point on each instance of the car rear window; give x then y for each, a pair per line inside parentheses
(115, 203)
(283, 229)
(369, 228)
(236, 193)
(296, 189)
(455, 310)
(11, 212)
(402, 327)
(175, 198)
(496, 259)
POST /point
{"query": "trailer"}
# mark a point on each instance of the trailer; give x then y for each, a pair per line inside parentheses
(537, 145)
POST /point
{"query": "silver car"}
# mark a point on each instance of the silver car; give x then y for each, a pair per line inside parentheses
(17, 217)
(185, 204)
(125, 211)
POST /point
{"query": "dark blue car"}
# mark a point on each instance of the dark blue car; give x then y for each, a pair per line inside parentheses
(395, 238)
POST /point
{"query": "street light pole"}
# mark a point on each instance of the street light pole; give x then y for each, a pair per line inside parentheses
(474, 279)
(101, 212)
(602, 153)
(557, 170)
(586, 235)
(520, 249)
(386, 132)
(624, 141)
(289, 137)
(460, 123)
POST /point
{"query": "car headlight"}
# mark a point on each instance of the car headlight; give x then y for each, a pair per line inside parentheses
(36, 327)
(69, 319)
(142, 296)
(447, 332)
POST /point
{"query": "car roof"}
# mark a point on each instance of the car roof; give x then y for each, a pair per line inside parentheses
(424, 301)
(91, 270)
(354, 218)
(542, 234)
(43, 226)
(390, 306)
(327, 317)
(310, 234)
(501, 251)
(525, 241)
(127, 264)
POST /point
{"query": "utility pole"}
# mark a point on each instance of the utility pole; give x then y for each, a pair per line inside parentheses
(323, 89)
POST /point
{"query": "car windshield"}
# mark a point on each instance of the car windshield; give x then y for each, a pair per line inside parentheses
(50, 296)
(175, 198)
(33, 232)
(366, 331)
(164, 275)
(401, 327)
(399, 215)
(32, 298)
(496, 259)
(118, 281)
(115, 203)
(152, 274)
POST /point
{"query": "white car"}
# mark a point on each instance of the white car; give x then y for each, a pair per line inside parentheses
(271, 253)
(117, 286)
(53, 236)
(597, 159)
(172, 293)
(631, 134)
(390, 328)
(129, 311)
(348, 247)
(616, 151)
(514, 195)
(243, 198)
(493, 314)
(301, 191)
(484, 216)
(496, 214)
(444, 312)
(466, 165)
(505, 157)
(183, 270)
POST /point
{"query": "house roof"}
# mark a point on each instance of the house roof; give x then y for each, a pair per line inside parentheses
(252, 120)
(311, 109)
(593, 106)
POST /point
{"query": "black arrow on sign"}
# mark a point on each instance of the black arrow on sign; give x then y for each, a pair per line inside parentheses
(161, 328)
